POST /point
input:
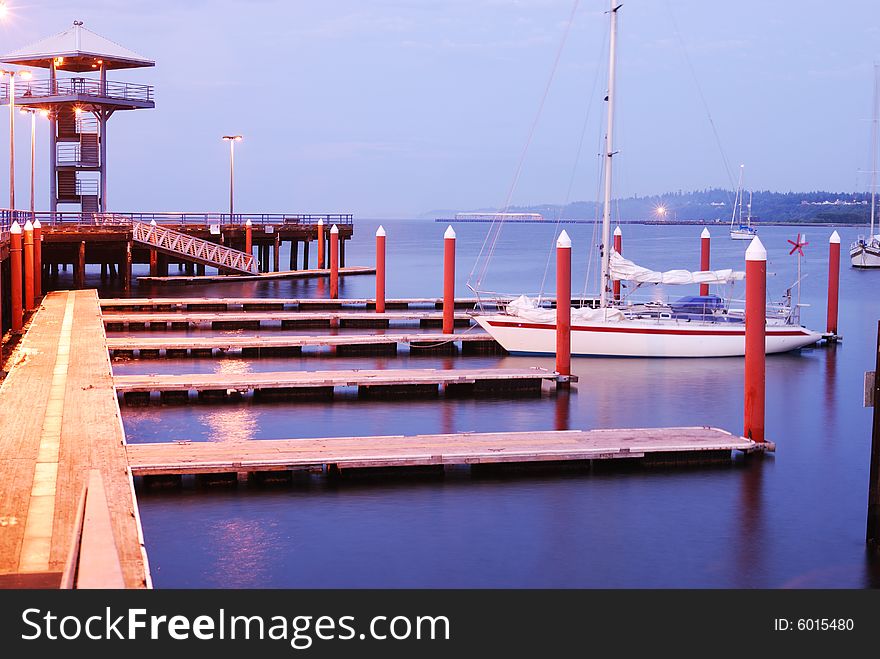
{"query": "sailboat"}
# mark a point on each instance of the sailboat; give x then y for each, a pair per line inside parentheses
(697, 326)
(865, 251)
(742, 230)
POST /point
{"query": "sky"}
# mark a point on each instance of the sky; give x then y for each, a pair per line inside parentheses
(394, 108)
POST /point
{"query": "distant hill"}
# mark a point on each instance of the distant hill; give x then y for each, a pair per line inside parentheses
(711, 205)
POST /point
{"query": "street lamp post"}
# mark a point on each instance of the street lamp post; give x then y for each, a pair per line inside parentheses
(33, 112)
(25, 75)
(232, 139)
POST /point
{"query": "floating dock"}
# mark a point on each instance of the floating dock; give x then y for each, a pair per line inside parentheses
(392, 382)
(109, 305)
(181, 280)
(67, 504)
(282, 319)
(340, 453)
(264, 346)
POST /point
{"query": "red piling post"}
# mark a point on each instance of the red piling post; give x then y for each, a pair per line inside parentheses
(380, 269)
(756, 341)
(249, 237)
(563, 304)
(449, 280)
(334, 262)
(38, 261)
(15, 275)
(28, 266)
(833, 282)
(321, 262)
(154, 257)
(618, 247)
(705, 240)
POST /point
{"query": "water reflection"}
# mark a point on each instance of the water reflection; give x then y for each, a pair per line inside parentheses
(796, 518)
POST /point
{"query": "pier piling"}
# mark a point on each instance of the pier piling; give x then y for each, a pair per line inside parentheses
(334, 262)
(618, 247)
(449, 280)
(248, 237)
(705, 248)
(15, 276)
(380, 269)
(755, 357)
(833, 282)
(872, 533)
(563, 303)
(28, 266)
(38, 260)
(321, 262)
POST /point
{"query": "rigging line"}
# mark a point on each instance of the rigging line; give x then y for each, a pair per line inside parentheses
(702, 98)
(518, 171)
(600, 181)
(577, 159)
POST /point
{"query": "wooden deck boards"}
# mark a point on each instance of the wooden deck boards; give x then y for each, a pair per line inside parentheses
(245, 303)
(82, 431)
(285, 318)
(425, 450)
(328, 380)
(285, 274)
(223, 343)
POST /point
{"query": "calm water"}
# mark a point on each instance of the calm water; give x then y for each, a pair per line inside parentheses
(795, 519)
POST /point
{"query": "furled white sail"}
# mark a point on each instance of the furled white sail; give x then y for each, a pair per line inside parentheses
(621, 268)
(528, 309)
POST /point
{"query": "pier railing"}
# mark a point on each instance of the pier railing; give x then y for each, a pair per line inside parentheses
(26, 91)
(48, 218)
(7, 217)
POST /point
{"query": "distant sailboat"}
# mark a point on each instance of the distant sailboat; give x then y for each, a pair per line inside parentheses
(865, 251)
(742, 230)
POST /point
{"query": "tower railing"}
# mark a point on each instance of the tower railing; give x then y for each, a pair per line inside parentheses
(36, 89)
(199, 219)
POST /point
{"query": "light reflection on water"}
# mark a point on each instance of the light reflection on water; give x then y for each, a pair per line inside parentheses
(795, 519)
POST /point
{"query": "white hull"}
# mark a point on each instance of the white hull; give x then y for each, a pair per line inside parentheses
(865, 256)
(742, 234)
(635, 338)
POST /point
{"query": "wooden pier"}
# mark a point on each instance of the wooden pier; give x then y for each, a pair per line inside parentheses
(110, 305)
(340, 453)
(281, 319)
(266, 346)
(312, 273)
(396, 382)
(113, 305)
(67, 506)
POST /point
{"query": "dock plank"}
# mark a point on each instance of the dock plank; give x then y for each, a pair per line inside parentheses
(45, 463)
(180, 458)
(131, 344)
(191, 318)
(284, 274)
(128, 384)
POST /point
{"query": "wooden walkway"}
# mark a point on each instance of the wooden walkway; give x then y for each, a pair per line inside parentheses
(61, 429)
(393, 382)
(273, 304)
(148, 347)
(284, 274)
(282, 319)
(340, 453)
(295, 303)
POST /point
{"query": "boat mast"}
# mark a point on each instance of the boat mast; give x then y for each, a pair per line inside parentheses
(737, 200)
(874, 153)
(749, 216)
(609, 153)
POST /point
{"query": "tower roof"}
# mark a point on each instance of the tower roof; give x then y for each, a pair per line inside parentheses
(80, 49)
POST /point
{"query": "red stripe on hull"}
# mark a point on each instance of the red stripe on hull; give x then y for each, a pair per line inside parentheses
(646, 330)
